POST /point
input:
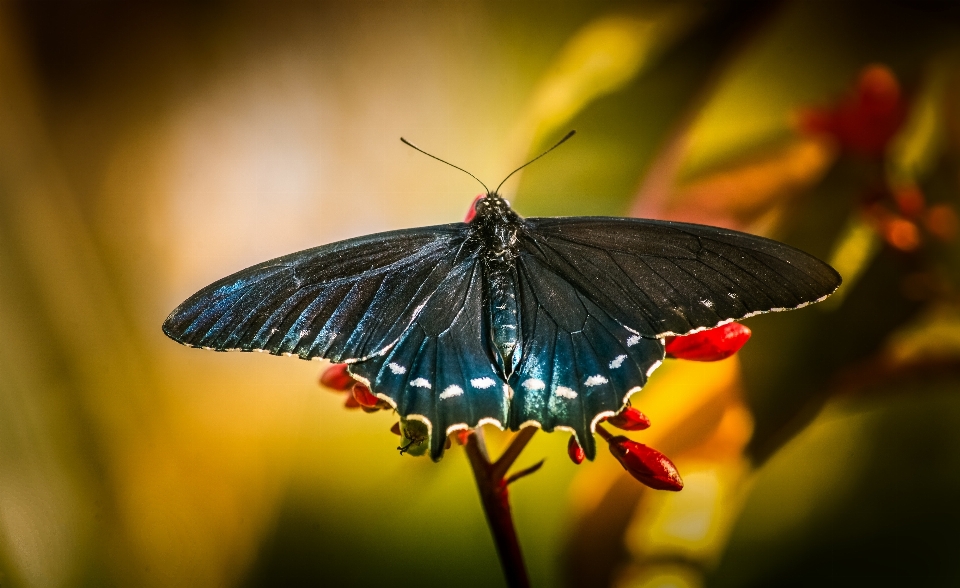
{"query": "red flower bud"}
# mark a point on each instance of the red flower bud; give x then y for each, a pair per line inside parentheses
(472, 213)
(351, 402)
(646, 464)
(463, 435)
(901, 233)
(710, 345)
(630, 419)
(864, 121)
(337, 378)
(364, 396)
(575, 451)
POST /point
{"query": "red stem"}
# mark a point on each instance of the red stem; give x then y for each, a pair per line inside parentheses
(604, 433)
(495, 499)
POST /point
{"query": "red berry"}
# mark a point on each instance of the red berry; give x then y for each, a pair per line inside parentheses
(472, 213)
(575, 451)
(867, 119)
(337, 377)
(710, 345)
(630, 419)
(646, 464)
(364, 396)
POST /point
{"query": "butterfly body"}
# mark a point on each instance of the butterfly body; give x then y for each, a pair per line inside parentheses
(497, 226)
(549, 322)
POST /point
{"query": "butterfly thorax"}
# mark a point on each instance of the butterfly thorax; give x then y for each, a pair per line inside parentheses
(496, 226)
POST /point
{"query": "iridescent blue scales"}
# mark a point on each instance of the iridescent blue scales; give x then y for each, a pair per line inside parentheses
(548, 322)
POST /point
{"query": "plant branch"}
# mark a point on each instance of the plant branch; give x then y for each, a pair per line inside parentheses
(512, 452)
(524, 472)
(496, 502)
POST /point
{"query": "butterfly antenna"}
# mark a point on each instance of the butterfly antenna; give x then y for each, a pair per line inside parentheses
(560, 142)
(409, 144)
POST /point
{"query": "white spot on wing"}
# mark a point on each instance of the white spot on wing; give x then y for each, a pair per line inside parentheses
(707, 303)
(482, 383)
(633, 340)
(420, 383)
(617, 361)
(595, 380)
(534, 384)
(451, 391)
(397, 368)
(565, 392)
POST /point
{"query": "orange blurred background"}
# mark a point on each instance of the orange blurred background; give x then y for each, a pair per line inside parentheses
(148, 149)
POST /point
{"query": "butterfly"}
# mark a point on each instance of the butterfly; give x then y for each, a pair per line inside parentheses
(503, 320)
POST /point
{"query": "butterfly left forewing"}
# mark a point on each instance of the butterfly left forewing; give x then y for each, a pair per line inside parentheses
(342, 301)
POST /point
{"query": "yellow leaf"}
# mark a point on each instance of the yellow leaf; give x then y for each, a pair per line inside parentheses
(853, 252)
(916, 148)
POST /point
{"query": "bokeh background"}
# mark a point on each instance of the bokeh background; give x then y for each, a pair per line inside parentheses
(147, 149)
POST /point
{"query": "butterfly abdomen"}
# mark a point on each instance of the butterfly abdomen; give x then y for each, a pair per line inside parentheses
(504, 315)
(496, 226)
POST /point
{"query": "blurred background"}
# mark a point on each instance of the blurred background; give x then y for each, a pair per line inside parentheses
(148, 149)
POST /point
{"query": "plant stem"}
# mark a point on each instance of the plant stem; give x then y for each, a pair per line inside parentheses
(491, 483)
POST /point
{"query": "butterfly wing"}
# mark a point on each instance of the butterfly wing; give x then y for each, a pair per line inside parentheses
(405, 308)
(578, 362)
(599, 294)
(344, 301)
(441, 370)
(665, 278)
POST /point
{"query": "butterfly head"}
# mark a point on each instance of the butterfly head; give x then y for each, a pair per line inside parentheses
(492, 207)
(496, 225)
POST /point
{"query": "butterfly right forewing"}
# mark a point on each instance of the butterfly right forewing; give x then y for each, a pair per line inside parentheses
(666, 278)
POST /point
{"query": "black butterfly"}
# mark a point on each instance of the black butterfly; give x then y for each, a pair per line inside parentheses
(551, 322)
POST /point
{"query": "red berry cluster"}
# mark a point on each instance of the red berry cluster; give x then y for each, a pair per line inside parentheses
(336, 377)
(864, 123)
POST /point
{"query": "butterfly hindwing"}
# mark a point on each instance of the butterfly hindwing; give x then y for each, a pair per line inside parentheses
(578, 363)
(440, 370)
(346, 300)
(667, 278)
